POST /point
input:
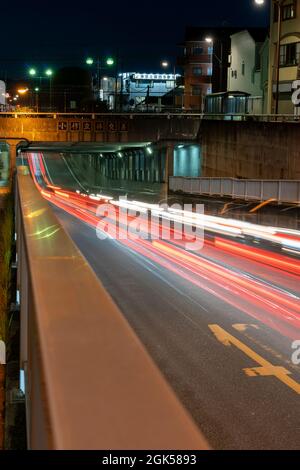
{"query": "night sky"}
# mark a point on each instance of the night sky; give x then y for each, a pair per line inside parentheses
(59, 33)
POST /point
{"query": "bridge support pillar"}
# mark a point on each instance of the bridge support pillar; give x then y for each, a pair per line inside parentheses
(169, 162)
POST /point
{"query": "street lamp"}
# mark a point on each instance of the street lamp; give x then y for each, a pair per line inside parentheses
(49, 73)
(22, 91)
(109, 61)
(37, 98)
(279, 4)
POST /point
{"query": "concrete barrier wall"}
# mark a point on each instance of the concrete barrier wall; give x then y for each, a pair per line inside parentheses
(99, 128)
(237, 149)
(250, 149)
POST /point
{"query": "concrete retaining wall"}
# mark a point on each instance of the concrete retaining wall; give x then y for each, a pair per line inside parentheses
(259, 150)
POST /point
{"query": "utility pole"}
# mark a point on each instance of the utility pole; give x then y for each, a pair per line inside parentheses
(147, 98)
(279, 4)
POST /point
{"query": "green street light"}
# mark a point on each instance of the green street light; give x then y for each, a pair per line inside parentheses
(110, 61)
(32, 72)
(36, 89)
(49, 72)
(89, 61)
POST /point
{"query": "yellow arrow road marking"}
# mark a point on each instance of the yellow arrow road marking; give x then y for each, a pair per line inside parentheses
(267, 369)
(244, 326)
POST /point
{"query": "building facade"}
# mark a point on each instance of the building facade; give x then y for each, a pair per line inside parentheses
(205, 62)
(289, 58)
(198, 67)
(2, 96)
(147, 91)
(244, 72)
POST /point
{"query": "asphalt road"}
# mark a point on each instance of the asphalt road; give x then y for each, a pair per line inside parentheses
(226, 355)
(174, 319)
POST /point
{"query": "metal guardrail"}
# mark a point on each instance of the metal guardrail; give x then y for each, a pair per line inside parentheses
(90, 384)
(178, 114)
(282, 191)
(293, 118)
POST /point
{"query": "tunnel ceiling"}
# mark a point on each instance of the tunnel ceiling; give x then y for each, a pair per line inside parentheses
(87, 147)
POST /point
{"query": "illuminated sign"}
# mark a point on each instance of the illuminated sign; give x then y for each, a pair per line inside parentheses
(154, 76)
(63, 126)
(75, 126)
(112, 126)
(150, 76)
(89, 126)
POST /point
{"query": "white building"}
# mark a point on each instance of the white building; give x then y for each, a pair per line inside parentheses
(138, 89)
(244, 72)
(2, 95)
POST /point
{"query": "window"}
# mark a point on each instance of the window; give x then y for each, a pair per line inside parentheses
(197, 71)
(196, 90)
(144, 83)
(209, 71)
(210, 50)
(290, 54)
(288, 11)
(243, 68)
(197, 50)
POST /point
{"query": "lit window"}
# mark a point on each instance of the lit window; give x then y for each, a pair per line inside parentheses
(288, 11)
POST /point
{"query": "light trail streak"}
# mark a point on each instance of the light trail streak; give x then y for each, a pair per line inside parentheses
(273, 306)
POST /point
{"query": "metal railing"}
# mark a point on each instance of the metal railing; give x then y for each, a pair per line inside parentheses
(90, 383)
(168, 114)
(294, 118)
(281, 191)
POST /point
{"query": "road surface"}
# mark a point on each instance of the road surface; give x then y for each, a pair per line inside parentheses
(220, 327)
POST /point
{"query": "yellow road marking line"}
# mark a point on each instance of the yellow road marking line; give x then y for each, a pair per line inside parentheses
(266, 369)
(244, 326)
(262, 204)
